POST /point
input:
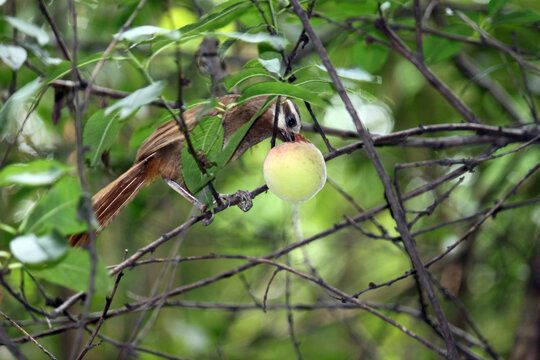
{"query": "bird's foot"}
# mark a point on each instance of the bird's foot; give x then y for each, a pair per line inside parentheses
(208, 217)
(242, 198)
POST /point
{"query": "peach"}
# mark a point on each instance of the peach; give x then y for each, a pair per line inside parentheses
(295, 171)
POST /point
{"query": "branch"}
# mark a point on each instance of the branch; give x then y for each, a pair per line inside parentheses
(468, 67)
(103, 91)
(16, 353)
(59, 39)
(401, 48)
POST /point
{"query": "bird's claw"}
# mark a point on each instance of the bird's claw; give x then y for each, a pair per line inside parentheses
(245, 203)
(208, 217)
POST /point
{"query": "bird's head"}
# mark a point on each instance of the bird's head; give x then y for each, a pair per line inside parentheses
(289, 122)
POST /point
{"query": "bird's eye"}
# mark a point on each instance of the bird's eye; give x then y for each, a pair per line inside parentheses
(291, 121)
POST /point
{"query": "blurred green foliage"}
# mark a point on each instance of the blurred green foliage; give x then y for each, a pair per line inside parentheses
(488, 272)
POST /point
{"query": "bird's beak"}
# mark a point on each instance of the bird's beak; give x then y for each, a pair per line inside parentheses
(286, 135)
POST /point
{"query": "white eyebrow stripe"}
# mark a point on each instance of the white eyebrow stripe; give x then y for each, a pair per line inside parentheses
(281, 117)
(292, 109)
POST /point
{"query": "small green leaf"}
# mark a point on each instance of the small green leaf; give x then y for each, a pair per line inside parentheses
(99, 134)
(74, 272)
(14, 56)
(145, 32)
(495, 5)
(272, 65)
(15, 266)
(64, 67)
(9, 229)
(29, 29)
(517, 17)
(279, 88)
(370, 57)
(57, 209)
(136, 99)
(34, 173)
(205, 196)
(241, 76)
(356, 74)
(194, 179)
(207, 136)
(253, 63)
(437, 49)
(219, 17)
(276, 41)
(207, 140)
(33, 250)
(17, 100)
(236, 138)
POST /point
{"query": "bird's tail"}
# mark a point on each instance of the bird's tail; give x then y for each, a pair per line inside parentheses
(108, 202)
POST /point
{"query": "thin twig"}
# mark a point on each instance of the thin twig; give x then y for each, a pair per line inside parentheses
(59, 40)
(418, 22)
(447, 294)
(491, 212)
(87, 204)
(10, 344)
(530, 102)
(29, 337)
(108, 302)
(484, 81)
(399, 46)
(267, 290)
(491, 41)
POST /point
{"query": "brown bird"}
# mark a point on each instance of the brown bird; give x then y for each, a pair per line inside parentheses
(160, 154)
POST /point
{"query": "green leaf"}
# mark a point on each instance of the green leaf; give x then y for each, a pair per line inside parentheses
(277, 42)
(34, 173)
(437, 49)
(517, 17)
(205, 196)
(145, 32)
(236, 138)
(370, 57)
(33, 250)
(356, 74)
(17, 100)
(14, 56)
(194, 179)
(99, 134)
(207, 136)
(253, 63)
(218, 18)
(8, 229)
(74, 272)
(64, 68)
(137, 99)
(272, 65)
(279, 88)
(57, 209)
(495, 5)
(241, 76)
(29, 29)
(207, 140)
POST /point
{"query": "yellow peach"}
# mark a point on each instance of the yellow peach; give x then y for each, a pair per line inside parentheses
(295, 171)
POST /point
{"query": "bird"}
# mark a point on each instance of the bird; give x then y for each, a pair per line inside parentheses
(160, 154)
